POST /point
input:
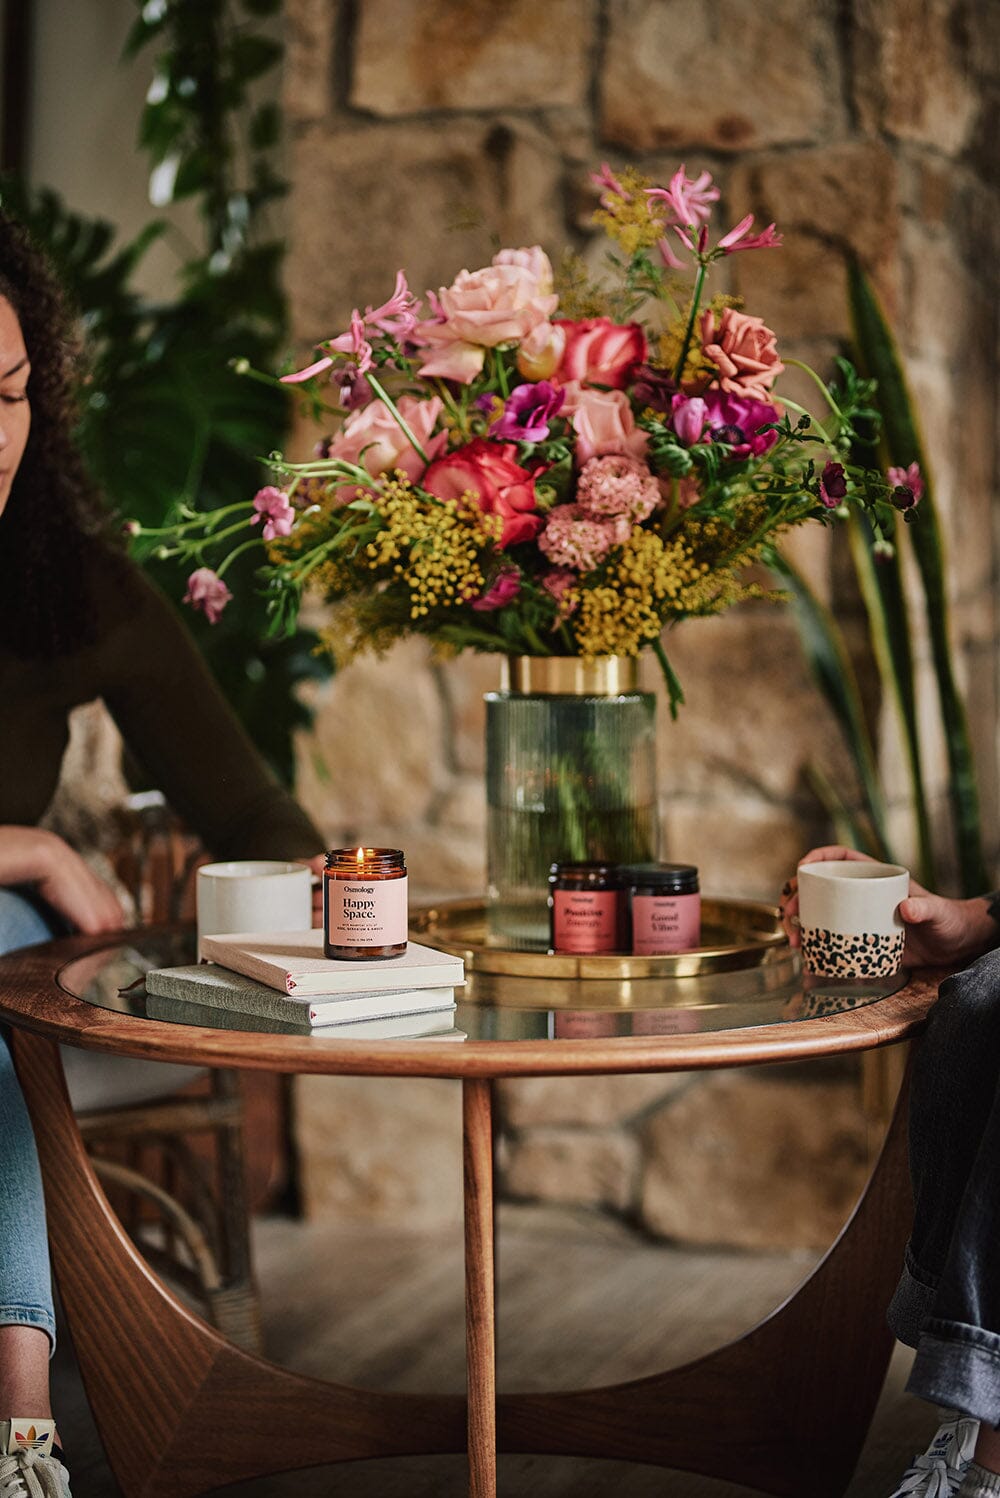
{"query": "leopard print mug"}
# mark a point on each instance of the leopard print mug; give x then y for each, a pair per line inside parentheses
(849, 918)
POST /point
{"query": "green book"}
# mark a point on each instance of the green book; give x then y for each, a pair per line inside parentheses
(219, 988)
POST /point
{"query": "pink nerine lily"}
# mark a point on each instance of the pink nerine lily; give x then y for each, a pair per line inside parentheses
(352, 342)
(395, 318)
(398, 316)
(737, 239)
(613, 189)
(689, 200)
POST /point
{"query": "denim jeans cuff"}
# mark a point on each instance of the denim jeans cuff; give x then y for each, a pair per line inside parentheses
(911, 1303)
(36, 1316)
(958, 1366)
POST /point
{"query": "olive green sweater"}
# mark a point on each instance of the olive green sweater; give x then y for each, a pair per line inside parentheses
(172, 717)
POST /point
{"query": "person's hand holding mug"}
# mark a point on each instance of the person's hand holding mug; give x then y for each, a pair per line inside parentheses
(939, 932)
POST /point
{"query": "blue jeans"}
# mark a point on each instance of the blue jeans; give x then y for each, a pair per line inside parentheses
(947, 1304)
(25, 1277)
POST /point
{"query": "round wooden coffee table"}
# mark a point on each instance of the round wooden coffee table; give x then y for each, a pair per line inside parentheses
(182, 1411)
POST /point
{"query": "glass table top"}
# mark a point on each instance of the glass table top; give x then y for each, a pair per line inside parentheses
(503, 1007)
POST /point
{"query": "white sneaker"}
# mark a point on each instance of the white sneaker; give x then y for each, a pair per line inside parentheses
(28, 1474)
(939, 1472)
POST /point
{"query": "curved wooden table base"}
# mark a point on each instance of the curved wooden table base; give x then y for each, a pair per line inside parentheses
(181, 1411)
(784, 1408)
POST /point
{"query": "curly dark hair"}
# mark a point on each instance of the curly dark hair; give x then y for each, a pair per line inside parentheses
(53, 515)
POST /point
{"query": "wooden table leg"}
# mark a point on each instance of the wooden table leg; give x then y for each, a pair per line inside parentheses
(480, 1323)
(784, 1409)
(180, 1410)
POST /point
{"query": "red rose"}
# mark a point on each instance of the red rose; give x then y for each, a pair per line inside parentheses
(600, 352)
(499, 486)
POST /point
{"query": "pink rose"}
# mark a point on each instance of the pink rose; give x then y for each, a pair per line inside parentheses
(498, 304)
(540, 353)
(498, 484)
(534, 261)
(600, 352)
(447, 357)
(374, 439)
(603, 423)
(743, 351)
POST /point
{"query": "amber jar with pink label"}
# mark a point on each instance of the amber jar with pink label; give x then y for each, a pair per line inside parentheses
(664, 908)
(364, 904)
(586, 908)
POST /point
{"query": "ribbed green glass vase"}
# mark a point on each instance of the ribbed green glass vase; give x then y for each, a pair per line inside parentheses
(570, 776)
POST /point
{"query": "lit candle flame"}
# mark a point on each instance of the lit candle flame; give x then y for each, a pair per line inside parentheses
(360, 856)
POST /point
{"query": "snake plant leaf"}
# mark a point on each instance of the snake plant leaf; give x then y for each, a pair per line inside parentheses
(848, 828)
(878, 356)
(881, 583)
(828, 660)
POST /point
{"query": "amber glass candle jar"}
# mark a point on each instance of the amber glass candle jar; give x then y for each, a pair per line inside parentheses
(586, 908)
(664, 907)
(364, 903)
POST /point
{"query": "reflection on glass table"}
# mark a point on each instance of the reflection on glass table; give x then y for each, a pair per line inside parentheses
(509, 1007)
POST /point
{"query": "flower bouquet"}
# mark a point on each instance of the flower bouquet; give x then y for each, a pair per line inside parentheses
(542, 464)
(548, 466)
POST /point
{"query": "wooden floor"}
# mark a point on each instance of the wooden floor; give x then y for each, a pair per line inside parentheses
(581, 1301)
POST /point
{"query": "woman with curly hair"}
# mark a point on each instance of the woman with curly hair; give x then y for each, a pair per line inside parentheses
(78, 621)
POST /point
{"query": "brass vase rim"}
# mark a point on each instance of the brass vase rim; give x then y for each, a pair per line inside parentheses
(569, 675)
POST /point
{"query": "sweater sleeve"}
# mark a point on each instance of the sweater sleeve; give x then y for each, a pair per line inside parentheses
(179, 727)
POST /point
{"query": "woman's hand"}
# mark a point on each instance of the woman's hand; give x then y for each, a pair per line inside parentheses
(939, 932)
(30, 855)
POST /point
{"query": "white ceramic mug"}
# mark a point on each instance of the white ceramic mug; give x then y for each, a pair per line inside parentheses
(849, 918)
(253, 895)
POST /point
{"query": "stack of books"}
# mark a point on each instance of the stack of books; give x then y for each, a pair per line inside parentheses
(283, 983)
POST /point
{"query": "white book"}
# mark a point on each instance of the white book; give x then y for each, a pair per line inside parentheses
(432, 1024)
(219, 987)
(293, 962)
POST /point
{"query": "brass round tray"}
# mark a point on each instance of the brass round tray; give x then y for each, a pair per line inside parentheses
(736, 934)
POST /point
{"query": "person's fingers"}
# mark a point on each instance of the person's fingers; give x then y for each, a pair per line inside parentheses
(917, 910)
(835, 853)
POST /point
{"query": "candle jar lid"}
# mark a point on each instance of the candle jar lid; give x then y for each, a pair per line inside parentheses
(663, 878)
(596, 875)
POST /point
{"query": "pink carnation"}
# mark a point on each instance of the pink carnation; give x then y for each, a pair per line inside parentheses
(207, 591)
(573, 538)
(560, 582)
(617, 486)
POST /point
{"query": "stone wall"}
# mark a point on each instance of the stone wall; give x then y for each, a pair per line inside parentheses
(418, 131)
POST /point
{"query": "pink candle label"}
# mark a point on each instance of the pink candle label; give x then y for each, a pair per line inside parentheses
(665, 923)
(366, 912)
(585, 920)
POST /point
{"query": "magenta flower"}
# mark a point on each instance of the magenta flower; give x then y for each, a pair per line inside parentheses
(502, 591)
(833, 485)
(207, 591)
(274, 508)
(737, 419)
(910, 479)
(354, 388)
(613, 189)
(689, 418)
(689, 199)
(528, 410)
(737, 239)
